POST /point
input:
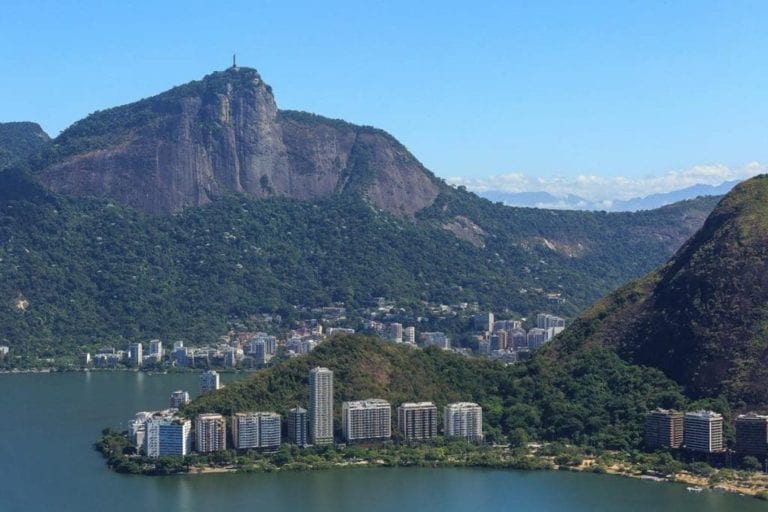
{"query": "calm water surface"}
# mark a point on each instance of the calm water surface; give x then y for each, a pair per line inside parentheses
(47, 464)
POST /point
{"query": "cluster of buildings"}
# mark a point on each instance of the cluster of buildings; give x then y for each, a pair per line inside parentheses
(509, 341)
(164, 432)
(702, 431)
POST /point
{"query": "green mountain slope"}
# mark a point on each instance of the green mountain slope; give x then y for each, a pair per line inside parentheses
(19, 141)
(702, 318)
(79, 273)
(594, 399)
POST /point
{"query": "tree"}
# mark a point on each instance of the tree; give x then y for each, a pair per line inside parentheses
(751, 463)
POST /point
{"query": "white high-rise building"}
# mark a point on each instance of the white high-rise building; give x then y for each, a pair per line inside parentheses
(366, 419)
(135, 354)
(168, 436)
(409, 335)
(417, 421)
(209, 381)
(256, 430)
(321, 406)
(463, 419)
(210, 433)
(703, 431)
(156, 350)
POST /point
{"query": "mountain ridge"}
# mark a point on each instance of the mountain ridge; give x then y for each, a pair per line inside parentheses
(701, 317)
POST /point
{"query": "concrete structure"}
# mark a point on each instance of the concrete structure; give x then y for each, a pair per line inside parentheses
(297, 426)
(436, 339)
(366, 420)
(178, 398)
(409, 335)
(210, 433)
(156, 350)
(85, 359)
(256, 430)
(703, 431)
(507, 325)
(483, 322)
(230, 358)
(517, 339)
(536, 338)
(135, 354)
(463, 419)
(499, 340)
(209, 381)
(395, 332)
(663, 429)
(752, 434)
(547, 321)
(137, 429)
(168, 436)
(417, 421)
(258, 350)
(321, 406)
(4, 350)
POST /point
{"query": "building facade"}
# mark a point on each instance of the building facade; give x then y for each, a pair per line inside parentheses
(156, 350)
(321, 406)
(256, 430)
(463, 419)
(663, 429)
(209, 381)
(297, 426)
(752, 434)
(703, 431)
(366, 420)
(135, 354)
(417, 421)
(167, 436)
(210, 433)
(178, 398)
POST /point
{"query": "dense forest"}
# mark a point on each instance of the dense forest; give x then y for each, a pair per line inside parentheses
(79, 273)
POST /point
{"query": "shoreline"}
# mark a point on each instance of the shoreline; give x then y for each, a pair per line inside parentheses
(457, 454)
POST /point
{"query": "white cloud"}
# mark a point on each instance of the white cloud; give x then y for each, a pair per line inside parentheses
(607, 189)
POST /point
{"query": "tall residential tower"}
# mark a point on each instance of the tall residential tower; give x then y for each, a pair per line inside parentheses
(321, 406)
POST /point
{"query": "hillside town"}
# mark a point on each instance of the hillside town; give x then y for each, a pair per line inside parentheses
(478, 333)
(169, 433)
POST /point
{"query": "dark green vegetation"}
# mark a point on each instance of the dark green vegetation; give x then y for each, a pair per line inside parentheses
(19, 141)
(702, 318)
(79, 273)
(121, 457)
(300, 210)
(595, 400)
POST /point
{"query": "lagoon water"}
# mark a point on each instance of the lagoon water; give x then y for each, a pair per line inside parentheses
(47, 463)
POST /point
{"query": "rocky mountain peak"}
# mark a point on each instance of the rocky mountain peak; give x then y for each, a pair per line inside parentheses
(223, 134)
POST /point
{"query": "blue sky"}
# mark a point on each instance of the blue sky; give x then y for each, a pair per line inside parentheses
(597, 93)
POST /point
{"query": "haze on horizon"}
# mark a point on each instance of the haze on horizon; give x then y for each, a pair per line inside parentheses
(600, 101)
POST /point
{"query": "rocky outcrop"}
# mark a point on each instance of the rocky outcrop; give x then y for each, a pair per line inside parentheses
(225, 134)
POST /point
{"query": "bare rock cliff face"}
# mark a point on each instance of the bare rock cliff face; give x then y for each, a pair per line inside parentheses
(225, 134)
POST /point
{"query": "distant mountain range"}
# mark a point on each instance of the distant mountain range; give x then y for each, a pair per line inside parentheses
(574, 202)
